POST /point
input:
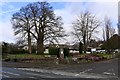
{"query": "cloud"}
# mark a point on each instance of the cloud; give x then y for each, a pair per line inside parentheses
(6, 32)
(60, 0)
(69, 13)
(6, 12)
(100, 9)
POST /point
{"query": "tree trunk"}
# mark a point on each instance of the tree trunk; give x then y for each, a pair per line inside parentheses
(80, 47)
(84, 42)
(85, 47)
(40, 46)
(29, 43)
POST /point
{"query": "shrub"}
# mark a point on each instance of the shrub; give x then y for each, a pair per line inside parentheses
(7, 59)
(15, 60)
(66, 52)
(54, 51)
(18, 51)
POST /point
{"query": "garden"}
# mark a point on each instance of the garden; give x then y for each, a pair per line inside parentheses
(55, 57)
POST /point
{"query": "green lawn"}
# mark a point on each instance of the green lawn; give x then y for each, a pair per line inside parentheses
(105, 55)
(26, 56)
(12, 57)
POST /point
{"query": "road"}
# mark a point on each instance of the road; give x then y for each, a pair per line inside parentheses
(109, 67)
(31, 74)
(104, 70)
(18, 73)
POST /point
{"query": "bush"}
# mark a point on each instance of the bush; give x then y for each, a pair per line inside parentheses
(7, 59)
(18, 51)
(66, 52)
(54, 51)
(15, 60)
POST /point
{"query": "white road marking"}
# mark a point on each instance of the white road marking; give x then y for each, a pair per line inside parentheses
(11, 73)
(86, 70)
(33, 74)
(61, 74)
(40, 75)
(76, 74)
(108, 73)
(81, 74)
(6, 76)
(33, 77)
(56, 73)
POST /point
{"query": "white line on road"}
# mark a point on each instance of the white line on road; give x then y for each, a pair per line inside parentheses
(40, 75)
(61, 74)
(108, 73)
(81, 74)
(86, 70)
(76, 74)
(33, 77)
(33, 74)
(5, 76)
(11, 73)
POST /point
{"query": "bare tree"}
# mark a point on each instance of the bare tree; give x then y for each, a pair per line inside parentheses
(42, 24)
(47, 27)
(21, 25)
(84, 27)
(108, 30)
(103, 34)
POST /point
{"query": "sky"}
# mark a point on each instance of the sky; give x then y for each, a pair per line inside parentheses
(68, 10)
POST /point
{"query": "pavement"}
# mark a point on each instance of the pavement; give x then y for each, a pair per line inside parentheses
(103, 70)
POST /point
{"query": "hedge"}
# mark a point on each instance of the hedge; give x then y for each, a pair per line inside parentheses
(66, 52)
(54, 51)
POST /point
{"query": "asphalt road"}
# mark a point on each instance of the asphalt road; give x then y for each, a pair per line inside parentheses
(104, 70)
(18, 73)
(109, 67)
(21, 74)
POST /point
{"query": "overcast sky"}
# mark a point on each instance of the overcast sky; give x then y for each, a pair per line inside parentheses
(68, 9)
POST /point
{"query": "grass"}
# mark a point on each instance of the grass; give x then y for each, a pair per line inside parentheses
(34, 56)
(12, 57)
(99, 54)
(25, 56)
(106, 55)
(29, 57)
